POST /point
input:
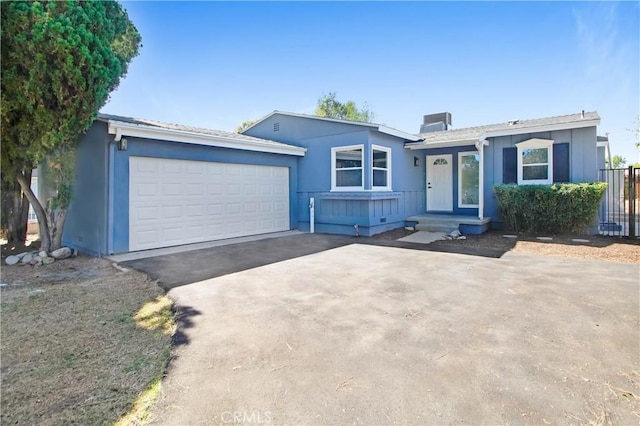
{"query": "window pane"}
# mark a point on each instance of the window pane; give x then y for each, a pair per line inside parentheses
(535, 156)
(535, 172)
(349, 158)
(470, 175)
(348, 178)
(379, 178)
(379, 159)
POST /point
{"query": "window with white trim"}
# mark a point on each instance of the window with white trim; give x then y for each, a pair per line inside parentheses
(347, 171)
(535, 162)
(381, 168)
(468, 179)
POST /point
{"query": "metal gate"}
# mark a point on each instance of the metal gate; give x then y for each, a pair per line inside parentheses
(619, 212)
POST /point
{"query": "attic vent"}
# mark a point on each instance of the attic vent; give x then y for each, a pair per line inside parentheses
(276, 127)
(512, 122)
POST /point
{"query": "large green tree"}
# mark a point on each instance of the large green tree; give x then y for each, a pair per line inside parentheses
(329, 106)
(60, 61)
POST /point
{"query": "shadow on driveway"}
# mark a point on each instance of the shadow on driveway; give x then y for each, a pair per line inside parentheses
(174, 270)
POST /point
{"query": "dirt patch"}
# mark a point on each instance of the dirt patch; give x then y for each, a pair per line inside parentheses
(595, 247)
(394, 234)
(72, 350)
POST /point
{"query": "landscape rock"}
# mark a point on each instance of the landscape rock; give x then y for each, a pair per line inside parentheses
(48, 260)
(12, 260)
(36, 261)
(43, 254)
(61, 253)
(26, 259)
(21, 255)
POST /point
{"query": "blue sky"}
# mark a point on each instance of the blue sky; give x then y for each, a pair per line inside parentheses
(216, 64)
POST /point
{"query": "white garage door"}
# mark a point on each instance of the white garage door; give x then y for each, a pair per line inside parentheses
(174, 202)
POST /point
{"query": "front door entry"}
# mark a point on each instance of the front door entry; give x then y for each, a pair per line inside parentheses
(439, 183)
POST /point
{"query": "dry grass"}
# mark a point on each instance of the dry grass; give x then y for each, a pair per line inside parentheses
(72, 349)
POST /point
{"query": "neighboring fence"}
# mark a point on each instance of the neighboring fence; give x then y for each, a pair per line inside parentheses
(620, 209)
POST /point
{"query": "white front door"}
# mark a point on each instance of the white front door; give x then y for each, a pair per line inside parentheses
(440, 183)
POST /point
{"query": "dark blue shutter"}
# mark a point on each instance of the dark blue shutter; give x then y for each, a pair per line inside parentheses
(510, 165)
(561, 162)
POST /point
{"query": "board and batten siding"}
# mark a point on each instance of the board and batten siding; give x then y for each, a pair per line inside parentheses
(372, 211)
(338, 212)
(583, 158)
(86, 226)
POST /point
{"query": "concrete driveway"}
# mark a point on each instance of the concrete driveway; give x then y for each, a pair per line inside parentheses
(366, 334)
(186, 267)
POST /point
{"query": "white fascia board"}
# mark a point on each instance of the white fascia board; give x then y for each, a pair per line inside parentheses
(398, 134)
(157, 133)
(447, 144)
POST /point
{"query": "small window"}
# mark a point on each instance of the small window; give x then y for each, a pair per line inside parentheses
(468, 179)
(347, 168)
(381, 168)
(535, 162)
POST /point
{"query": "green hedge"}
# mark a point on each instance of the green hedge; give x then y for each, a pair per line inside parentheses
(564, 207)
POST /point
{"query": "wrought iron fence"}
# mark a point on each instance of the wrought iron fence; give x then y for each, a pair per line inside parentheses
(620, 209)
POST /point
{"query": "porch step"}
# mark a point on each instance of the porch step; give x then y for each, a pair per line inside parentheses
(447, 223)
(436, 227)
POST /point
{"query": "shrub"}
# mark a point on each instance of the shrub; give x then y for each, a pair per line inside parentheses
(565, 207)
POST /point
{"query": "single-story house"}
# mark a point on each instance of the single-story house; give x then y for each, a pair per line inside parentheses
(143, 184)
(380, 178)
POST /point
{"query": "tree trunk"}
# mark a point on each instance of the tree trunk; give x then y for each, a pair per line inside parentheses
(58, 225)
(43, 223)
(14, 212)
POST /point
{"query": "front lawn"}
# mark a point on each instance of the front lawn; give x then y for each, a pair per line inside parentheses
(81, 341)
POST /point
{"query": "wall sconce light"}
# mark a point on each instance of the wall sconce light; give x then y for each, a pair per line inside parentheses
(416, 161)
(122, 144)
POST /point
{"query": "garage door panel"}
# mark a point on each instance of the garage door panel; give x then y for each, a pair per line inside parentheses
(176, 202)
(169, 166)
(170, 211)
(170, 189)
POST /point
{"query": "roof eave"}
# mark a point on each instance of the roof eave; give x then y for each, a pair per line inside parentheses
(121, 128)
(544, 128)
(399, 134)
(505, 132)
(443, 144)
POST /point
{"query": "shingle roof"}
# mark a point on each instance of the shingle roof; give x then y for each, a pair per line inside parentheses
(191, 129)
(517, 126)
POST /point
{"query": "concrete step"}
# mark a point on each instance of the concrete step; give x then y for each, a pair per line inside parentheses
(436, 227)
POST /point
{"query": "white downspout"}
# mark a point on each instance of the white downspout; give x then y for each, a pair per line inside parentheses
(312, 215)
(480, 146)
